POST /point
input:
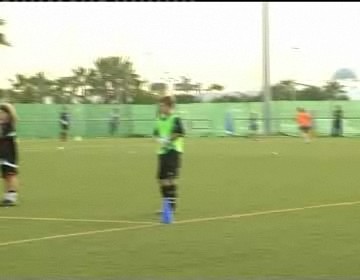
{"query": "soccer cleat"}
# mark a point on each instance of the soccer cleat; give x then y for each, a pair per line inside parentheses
(160, 212)
(7, 203)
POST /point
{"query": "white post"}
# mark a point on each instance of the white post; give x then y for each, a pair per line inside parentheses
(266, 69)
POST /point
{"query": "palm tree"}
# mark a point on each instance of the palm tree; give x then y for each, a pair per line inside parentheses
(64, 91)
(95, 84)
(185, 85)
(80, 76)
(333, 89)
(42, 85)
(24, 91)
(32, 89)
(158, 88)
(288, 88)
(118, 72)
(215, 87)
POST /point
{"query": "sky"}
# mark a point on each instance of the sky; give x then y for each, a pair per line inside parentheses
(217, 42)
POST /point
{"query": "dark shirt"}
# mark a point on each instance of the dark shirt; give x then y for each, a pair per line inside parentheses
(64, 118)
(114, 118)
(7, 131)
(177, 129)
(8, 142)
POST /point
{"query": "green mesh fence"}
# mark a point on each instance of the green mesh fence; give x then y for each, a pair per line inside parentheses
(204, 119)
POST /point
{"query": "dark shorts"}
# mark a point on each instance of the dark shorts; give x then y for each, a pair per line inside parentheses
(253, 127)
(169, 164)
(305, 128)
(113, 126)
(9, 158)
(64, 127)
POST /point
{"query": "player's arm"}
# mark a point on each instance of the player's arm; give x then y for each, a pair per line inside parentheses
(156, 135)
(179, 130)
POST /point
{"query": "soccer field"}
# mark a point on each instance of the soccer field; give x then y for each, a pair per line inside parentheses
(88, 210)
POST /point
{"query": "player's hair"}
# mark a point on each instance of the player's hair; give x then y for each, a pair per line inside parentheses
(300, 109)
(168, 100)
(10, 110)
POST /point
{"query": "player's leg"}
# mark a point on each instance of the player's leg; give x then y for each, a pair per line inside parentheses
(11, 184)
(305, 134)
(308, 134)
(168, 189)
(255, 132)
(168, 171)
(172, 193)
(63, 133)
(66, 133)
(341, 128)
(333, 128)
(116, 128)
(161, 176)
(112, 128)
(172, 175)
(251, 132)
(302, 132)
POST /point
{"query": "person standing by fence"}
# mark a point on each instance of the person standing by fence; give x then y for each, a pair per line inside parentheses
(337, 124)
(253, 125)
(114, 121)
(229, 124)
(64, 124)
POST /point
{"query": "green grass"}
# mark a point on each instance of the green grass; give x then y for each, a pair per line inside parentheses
(115, 180)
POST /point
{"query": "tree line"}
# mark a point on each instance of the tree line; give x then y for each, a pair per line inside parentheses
(289, 90)
(111, 80)
(114, 80)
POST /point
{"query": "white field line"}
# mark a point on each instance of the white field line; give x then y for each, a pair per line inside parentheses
(53, 148)
(77, 146)
(237, 216)
(189, 221)
(76, 220)
(74, 235)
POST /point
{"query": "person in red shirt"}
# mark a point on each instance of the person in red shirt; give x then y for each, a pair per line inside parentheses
(305, 122)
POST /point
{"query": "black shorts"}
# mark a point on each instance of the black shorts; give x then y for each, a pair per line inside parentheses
(169, 164)
(64, 127)
(8, 158)
(253, 127)
(305, 129)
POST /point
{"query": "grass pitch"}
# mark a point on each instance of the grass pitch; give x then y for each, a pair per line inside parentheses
(88, 211)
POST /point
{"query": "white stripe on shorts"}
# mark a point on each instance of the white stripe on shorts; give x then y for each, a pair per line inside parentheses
(9, 164)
